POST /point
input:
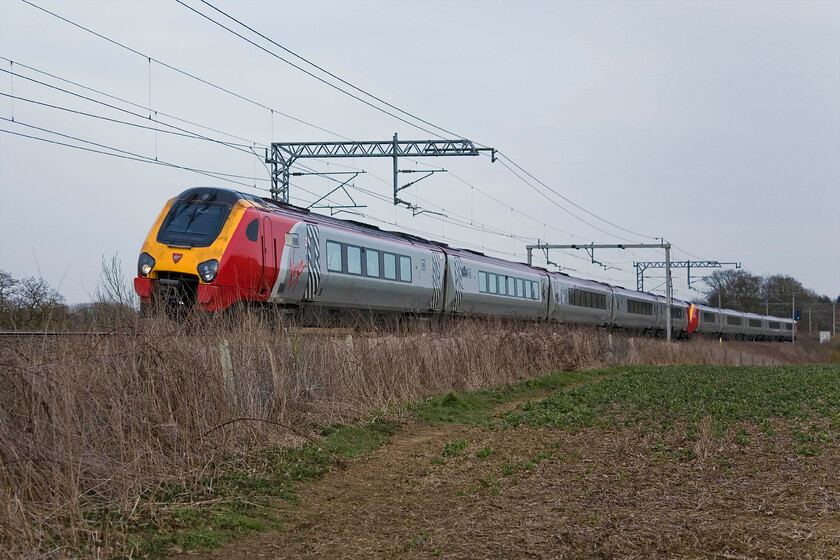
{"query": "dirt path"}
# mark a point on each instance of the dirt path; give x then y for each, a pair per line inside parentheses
(547, 493)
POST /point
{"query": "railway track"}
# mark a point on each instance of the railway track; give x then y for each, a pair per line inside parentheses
(56, 334)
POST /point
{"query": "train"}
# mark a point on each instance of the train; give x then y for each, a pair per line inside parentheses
(213, 248)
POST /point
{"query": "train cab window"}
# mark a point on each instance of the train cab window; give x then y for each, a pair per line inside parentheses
(354, 259)
(482, 282)
(405, 269)
(334, 256)
(253, 230)
(527, 288)
(195, 222)
(520, 287)
(372, 258)
(389, 262)
(493, 288)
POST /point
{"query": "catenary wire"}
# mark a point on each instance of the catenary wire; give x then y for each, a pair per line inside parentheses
(184, 73)
(142, 159)
(283, 114)
(127, 102)
(308, 73)
(343, 81)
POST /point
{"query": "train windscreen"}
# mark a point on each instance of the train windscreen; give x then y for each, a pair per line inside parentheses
(195, 221)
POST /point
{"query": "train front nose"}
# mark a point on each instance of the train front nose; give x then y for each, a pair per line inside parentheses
(181, 256)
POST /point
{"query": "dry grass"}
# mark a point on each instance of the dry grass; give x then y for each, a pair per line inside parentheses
(93, 431)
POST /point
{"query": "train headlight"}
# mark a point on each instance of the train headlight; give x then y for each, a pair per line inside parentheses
(145, 265)
(208, 270)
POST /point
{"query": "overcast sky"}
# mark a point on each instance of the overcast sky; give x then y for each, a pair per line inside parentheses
(713, 125)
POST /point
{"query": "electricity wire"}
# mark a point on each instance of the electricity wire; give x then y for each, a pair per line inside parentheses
(184, 73)
(327, 72)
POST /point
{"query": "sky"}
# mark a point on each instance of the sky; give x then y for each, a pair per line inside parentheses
(712, 125)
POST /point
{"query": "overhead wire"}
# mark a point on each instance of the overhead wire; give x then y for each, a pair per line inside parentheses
(327, 72)
(180, 131)
(364, 92)
(263, 36)
(184, 73)
(277, 56)
(127, 102)
(139, 158)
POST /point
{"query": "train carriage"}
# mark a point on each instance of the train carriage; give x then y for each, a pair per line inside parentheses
(755, 326)
(709, 321)
(579, 301)
(360, 268)
(637, 312)
(480, 285)
(732, 324)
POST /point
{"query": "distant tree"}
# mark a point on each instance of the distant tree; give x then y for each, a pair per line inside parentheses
(734, 289)
(781, 288)
(30, 303)
(7, 291)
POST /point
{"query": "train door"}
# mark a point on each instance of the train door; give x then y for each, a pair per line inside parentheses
(269, 256)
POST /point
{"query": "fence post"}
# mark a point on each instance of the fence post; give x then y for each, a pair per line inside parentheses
(227, 371)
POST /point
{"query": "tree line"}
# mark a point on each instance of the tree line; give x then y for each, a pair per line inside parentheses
(776, 295)
(30, 303)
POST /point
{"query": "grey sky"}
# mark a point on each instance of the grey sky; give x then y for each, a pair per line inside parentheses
(715, 125)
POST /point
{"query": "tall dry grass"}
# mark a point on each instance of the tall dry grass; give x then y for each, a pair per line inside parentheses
(91, 429)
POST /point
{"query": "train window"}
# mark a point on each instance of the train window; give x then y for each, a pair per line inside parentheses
(535, 290)
(583, 298)
(709, 317)
(520, 287)
(755, 323)
(502, 285)
(334, 256)
(482, 282)
(527, 289)
(639, 307)
(492, 278)
(405, 269)
(774, 325)
(511, 286)
(389, 262)
(193, 222)
(677, 312)
(788, 327)
(354, 259)
(372, 258)
(734, 321)
(253, 229)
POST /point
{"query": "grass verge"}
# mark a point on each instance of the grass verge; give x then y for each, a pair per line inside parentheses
(246, 493)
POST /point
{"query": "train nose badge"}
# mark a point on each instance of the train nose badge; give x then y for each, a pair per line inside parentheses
(177, 257)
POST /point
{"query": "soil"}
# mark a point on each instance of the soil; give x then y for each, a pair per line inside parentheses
(595, 493)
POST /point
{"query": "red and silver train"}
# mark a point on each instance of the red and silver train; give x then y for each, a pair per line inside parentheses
(211, 248)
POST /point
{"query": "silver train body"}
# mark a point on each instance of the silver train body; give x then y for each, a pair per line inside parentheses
(332, 267)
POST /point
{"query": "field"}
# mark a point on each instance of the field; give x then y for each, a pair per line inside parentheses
(165, 442)
(677, 462)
